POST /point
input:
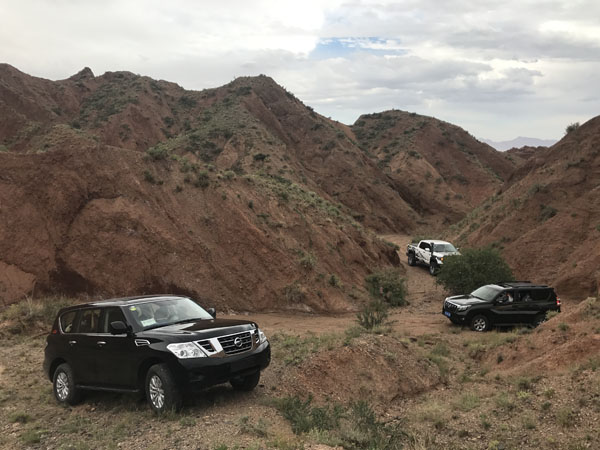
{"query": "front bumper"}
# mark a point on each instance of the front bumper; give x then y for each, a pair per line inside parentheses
(202, 372)
(450, 311)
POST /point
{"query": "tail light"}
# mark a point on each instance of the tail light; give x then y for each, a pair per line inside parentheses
(558, 301)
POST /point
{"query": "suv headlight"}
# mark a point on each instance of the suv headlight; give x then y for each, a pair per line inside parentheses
(261, 336)
(463, 307)
(186, 350)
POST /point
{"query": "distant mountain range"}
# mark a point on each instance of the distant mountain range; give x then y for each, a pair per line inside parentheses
(520, 142)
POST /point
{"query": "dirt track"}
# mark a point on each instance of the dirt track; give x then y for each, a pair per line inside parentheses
(422, 316)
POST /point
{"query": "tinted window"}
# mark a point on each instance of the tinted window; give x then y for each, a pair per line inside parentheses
(525, 296)
(89, 322)
(67, 322)
(424, 245)
(111, 315)
(540, 294)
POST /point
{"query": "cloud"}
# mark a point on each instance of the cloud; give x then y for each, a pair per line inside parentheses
(495, 68)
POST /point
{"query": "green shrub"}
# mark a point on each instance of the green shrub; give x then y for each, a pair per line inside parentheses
(149, 177)
(308, 261)
(158, 152)
(464, 273)
(373, 314)
(546, 212)
(387, 285)
(294, 293)
(571, 127)
(303, 417)
(334, 280)
(202, 179)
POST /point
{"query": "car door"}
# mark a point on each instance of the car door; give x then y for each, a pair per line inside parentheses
(424, 252)
(505, 310)
(528, 307)
(83, 344)
(114, 352)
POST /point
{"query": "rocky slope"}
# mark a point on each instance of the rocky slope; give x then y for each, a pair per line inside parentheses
(547, 218)
(441, 168)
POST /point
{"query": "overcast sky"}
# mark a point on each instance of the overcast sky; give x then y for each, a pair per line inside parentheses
(499, 69)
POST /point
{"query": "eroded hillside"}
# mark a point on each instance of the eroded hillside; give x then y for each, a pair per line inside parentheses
(547, 219)
(441, 168)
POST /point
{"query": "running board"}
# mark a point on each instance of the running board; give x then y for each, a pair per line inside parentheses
(108, 389)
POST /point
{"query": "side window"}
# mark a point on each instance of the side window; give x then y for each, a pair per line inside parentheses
(424, 246)
(525, 296)
(67, 322)
(89, 321)
(539, 295)
(111, 315)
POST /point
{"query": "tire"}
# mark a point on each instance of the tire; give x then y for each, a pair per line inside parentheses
(411, 259)
(247, 383)
(162, 392)
(63, 385)
(432, 269)
(480, 323)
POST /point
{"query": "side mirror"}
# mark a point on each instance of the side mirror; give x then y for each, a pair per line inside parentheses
(212, 312)
(118, 327)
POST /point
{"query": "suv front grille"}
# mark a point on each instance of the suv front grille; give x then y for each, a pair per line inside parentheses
(450, 306)
(236, 343)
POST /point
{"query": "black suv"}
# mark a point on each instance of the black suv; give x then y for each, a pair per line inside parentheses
(502, 304)
(160, 345)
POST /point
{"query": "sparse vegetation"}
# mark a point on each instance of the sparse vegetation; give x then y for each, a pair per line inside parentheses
(373, 314)
(158, 152)
(387, 285)
(464, 273)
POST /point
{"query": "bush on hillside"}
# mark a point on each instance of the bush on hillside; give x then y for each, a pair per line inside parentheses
(571, 127)
(462, 274)
(387, 285)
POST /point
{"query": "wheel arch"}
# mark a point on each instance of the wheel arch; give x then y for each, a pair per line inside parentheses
(57, 362)
(143, 369)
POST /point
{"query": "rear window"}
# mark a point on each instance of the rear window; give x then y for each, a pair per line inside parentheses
(67, 322)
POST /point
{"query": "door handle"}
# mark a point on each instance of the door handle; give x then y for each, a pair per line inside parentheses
(100, 343)
(71, 343)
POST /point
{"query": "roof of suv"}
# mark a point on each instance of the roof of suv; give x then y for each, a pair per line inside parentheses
(127, 300)
(521, 284)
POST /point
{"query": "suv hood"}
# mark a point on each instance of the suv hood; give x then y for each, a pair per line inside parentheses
(202, 329)
(464, 300)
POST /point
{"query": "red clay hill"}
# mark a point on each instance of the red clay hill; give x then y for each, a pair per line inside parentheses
(441, 169)
(546, 219)
(240, 195)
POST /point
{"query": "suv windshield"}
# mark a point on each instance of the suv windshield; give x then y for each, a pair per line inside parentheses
(444, 248)
(486, 293)
(161, 312)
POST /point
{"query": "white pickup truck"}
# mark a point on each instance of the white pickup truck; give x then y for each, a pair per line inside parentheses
(422, 252)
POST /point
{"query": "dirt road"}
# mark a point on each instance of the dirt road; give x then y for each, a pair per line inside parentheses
(422, 316)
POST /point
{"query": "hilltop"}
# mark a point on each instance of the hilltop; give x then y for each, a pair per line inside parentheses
(441, 168)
